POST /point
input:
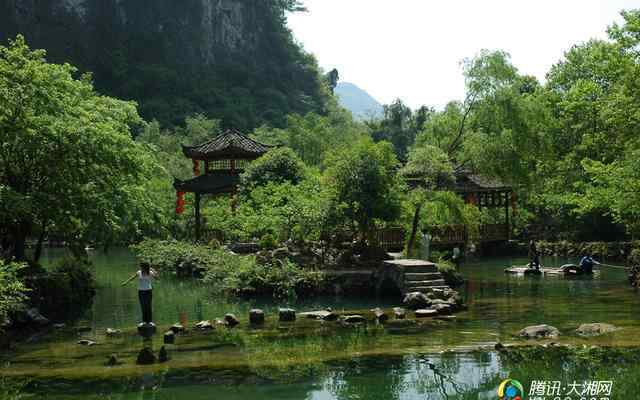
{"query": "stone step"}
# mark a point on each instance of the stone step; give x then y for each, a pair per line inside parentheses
(433, 282)
(420, 269)
(413, 285)
(426, 289)
(425, 276)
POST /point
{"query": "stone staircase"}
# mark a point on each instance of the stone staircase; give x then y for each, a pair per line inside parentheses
(423, 278)
(416, 276)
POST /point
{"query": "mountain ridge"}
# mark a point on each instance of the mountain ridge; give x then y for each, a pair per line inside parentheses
(362, 105)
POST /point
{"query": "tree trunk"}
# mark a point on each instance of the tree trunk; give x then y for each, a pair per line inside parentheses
(39, 244)
(19, 245)
(414, 230)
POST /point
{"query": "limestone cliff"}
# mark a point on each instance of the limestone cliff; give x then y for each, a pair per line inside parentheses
(226, 58)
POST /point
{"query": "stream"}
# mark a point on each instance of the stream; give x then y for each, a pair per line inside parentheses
(451, 359)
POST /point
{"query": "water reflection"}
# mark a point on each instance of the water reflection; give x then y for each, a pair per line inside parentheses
(326, 364)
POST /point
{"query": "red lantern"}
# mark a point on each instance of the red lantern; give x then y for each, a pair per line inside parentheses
(179, 202)
(472, 199)
(196, 167)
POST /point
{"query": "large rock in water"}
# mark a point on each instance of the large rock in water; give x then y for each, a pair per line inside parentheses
(416, 300)
(146, 357)
(34, 317)
(595, 329)
(539, 332)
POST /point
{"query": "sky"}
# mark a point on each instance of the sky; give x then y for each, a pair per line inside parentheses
(412, 49)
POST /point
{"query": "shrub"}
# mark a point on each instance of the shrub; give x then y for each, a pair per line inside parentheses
(277, 166)
(230, 273)
(66, 291)
(450, 274)
(268, 242)
(13, 292)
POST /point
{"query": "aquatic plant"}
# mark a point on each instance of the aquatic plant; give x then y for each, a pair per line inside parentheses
(228, 273)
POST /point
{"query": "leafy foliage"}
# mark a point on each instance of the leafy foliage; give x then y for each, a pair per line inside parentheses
(311, 136)
(66, 147)
(277, 166)
(13, 292)
(363, 184)
(228, 273)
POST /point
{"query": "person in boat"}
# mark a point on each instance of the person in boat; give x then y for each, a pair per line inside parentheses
(534, 255)
(145, 276)
(586, 264)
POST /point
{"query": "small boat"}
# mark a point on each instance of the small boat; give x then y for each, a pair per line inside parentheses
(524, 270)
(569, 270)
(565, 270)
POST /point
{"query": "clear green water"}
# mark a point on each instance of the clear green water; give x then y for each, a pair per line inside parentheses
(311, 360)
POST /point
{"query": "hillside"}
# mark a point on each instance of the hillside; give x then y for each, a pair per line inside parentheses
(229, 59)
(361, 104)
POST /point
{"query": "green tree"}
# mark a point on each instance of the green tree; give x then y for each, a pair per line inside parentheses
(68, 163)
(399, 126)
(363, 184)
(277, 166)
(428, 169)
(312, 135)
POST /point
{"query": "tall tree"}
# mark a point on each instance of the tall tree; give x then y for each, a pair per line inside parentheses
(68, 163)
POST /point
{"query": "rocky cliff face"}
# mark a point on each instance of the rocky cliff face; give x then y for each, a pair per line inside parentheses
(230, 59)
(189, 31)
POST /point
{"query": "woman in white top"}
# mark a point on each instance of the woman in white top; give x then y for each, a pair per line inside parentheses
(145, 276)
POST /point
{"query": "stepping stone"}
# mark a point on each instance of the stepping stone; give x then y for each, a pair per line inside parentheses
(230, 320)
(113, 332)
(146, 330)
(354, 319)
(178, 328)
(256, 317)
(322, 314)
(380, 315)
(287, 314)
(205, 326)
(400, 313)
(169, 337)
(426, 313)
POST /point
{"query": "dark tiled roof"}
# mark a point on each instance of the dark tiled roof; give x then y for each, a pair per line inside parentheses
(229, 145)
(212, 183)
(467, 181)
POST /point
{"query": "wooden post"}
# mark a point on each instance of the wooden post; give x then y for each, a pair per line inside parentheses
(197, 217)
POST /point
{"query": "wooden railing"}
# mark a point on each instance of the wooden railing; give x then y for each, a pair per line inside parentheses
(449, 234)
(391, 239)
(458, 234)
(494, 232)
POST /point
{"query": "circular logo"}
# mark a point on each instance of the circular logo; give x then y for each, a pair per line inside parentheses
(510, 389)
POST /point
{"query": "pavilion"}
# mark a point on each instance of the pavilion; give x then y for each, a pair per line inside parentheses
(224, 158)
(483, 192)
